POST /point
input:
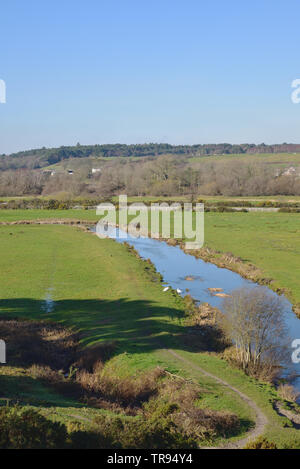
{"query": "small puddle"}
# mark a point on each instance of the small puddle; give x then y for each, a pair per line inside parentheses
(48, 304)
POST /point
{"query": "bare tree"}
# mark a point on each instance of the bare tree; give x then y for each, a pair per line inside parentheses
(254, 321)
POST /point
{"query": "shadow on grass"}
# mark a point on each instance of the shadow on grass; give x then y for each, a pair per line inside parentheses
(24, 390)
(138, 326)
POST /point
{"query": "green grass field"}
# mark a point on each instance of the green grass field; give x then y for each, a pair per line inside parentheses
(103, 290)
(274, 159)
(14, 215)
(99, 288)
(271, 241)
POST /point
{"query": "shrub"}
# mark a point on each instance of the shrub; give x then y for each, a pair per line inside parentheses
(81, 439)
(26, 429)
(260, 443)
(176, 399)
(157, 433)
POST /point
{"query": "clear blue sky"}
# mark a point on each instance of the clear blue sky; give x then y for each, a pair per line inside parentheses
(132, 71)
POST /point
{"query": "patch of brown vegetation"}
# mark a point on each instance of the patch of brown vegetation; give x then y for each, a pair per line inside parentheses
(126, 392)
(172, 242)
(39, 342)
(296, 309)
(48, 350)
(90, 358)
(288, 393)
(191, 420)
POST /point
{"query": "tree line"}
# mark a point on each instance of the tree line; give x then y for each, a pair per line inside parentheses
(156, 176)
(39, 158)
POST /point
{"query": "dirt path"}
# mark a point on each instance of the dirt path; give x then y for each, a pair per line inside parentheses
(260, 421)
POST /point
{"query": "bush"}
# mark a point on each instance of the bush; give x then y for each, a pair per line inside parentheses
(260, 443)
(176, 400)
(80, 439)
(156, 433)
(27, 429)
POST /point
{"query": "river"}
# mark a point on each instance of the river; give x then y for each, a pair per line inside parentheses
(175, 265)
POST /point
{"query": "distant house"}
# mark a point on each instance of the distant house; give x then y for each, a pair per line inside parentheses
(290, 171)
(96, 170)
(50, 172)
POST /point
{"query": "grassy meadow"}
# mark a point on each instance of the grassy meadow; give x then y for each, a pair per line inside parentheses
(274, 159)
(270, 241)
(276, 235)
(103, 290)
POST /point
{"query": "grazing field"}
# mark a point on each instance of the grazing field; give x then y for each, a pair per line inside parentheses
(14, 215)
(255, 200)
(273, 159)
(101, 289)
(270, 241)
(96, 284)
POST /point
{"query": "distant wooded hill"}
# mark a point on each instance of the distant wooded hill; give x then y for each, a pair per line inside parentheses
(39, 158)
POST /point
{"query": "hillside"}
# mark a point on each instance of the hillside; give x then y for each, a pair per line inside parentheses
(43, 157)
